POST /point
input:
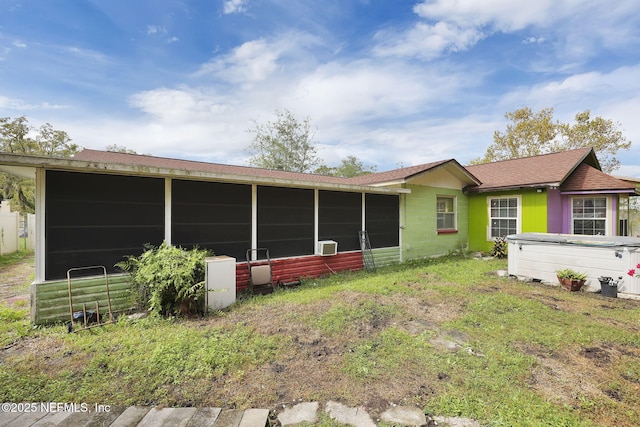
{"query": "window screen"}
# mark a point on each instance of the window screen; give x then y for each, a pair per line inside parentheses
(286, 221)
(382, 220)
(211, 215)
(94, 219)
(340, 218)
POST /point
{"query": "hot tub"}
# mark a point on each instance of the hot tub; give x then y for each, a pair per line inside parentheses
(539, 255)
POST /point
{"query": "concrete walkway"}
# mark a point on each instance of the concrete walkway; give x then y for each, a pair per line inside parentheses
(133, 416)
(49, 415)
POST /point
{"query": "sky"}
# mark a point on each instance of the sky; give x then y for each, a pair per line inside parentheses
(393, 83)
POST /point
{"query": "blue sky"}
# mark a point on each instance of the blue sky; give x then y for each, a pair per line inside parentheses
(394, 83)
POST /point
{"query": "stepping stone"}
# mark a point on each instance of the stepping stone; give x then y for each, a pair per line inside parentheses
(229, 418)
(23, 419)
(52, 419)
(404, 415)
(302, 412)
(204, 417)
(355, 416)
(131, 416)
(167, 416)
(91, 418)
(254, 418)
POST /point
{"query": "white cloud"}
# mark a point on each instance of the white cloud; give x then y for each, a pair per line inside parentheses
(250, 62)
(581, 91)
(426, 40)
(533, 40)
(86, 54)
(502, 15)
(257, 60)
(382, 108)
(20, 105)
(577, 28)
(156, 29)
(451, 26)
(367, 91)
(234, 6)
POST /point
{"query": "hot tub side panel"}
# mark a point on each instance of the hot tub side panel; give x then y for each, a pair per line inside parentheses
(541, 261)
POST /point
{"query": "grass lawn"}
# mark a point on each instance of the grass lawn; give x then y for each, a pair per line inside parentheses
(444, 335)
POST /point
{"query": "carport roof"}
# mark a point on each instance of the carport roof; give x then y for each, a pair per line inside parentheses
(97, 161)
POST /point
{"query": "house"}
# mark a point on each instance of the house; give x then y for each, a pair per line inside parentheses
(435, 213)
(563, 192)
(99, 207)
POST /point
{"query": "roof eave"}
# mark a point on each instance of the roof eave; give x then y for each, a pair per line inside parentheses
(449, 163)
(75, 165)
(589, 153)
(552, 185)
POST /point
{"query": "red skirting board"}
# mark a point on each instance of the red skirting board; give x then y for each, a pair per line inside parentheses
(288, 269)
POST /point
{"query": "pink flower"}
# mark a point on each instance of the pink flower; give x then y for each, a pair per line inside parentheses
(638, 266)
(632, 272)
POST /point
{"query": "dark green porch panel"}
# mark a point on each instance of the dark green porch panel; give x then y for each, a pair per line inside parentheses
(386, 256)
(50, 300)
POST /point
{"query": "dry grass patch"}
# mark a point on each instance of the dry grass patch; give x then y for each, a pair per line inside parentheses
(442, 335)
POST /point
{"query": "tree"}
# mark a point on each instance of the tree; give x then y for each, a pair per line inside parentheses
(349, 167)
(601, 134)
(285, 144)
(531, 134)
(15, 138)
(115, 148)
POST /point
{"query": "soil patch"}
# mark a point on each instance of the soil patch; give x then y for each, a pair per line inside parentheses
(15, 278)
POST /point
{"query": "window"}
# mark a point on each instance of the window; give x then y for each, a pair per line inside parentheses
(446, 213)
(589, 215)
(503, 217)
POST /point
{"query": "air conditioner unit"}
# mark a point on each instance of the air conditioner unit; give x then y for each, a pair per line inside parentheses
(327, 247)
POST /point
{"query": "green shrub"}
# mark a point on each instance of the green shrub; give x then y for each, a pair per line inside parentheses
(168, 280)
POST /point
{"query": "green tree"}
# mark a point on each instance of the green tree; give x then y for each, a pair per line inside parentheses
(18, 137)
(601, 134)
(349, 167)
(115, 148)
(531, 134)
(285, 144)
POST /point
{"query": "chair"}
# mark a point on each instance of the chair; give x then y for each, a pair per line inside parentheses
(260, 274)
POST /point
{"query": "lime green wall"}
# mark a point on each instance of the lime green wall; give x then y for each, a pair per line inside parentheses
(419, 236)
(533, 215)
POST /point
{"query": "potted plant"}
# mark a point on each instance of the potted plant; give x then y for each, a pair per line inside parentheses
(571, 279)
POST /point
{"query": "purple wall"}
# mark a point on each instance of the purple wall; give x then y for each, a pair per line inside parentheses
(555, 219)
(566, 212)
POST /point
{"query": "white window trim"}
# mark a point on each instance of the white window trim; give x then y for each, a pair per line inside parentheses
(518, 197)
(455, 211)
(607, 219)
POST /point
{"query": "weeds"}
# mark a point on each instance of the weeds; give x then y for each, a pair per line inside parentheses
(521, 353)
(14, 258)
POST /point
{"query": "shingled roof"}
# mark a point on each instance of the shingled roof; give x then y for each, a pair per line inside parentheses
(587, 178)
(404, 174)
(574, 170)
(546, 170)
(191, 165)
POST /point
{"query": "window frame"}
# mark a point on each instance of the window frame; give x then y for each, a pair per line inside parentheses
(517, 218)
(607, 216)
(453, 213)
